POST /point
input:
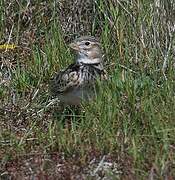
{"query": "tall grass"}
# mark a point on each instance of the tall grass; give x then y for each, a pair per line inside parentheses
(132, 117)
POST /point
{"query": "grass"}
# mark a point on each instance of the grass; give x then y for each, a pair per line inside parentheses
(127, 132)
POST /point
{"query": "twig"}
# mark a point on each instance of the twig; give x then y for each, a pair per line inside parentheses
(124, 67)
(9, 37)
(99, 165)
(167, 54)
(53, 101)
(125, 9)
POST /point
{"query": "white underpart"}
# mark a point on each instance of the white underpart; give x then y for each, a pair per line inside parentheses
(76, 96)
(88, 61)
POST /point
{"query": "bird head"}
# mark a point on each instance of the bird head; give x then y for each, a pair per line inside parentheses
(88, 50)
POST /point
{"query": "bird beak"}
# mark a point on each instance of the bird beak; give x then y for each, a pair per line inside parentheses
(74, 46)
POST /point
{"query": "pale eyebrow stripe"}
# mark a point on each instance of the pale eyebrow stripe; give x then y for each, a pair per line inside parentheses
(87, 38)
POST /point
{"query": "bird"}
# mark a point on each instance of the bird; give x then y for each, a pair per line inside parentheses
(78, 81)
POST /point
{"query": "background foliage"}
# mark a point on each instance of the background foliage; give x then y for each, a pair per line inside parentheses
(128, 131)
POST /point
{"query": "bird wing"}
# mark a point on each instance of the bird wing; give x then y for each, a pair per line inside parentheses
(74, 76)
(66, 80)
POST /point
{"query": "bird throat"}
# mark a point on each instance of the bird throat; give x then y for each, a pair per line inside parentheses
(84, 59)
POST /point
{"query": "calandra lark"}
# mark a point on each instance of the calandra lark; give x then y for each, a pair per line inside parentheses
(77, 81)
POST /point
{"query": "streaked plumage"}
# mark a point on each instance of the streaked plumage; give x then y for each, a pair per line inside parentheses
(78, 80)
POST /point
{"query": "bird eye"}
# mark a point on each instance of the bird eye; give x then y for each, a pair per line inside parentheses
(87, 43)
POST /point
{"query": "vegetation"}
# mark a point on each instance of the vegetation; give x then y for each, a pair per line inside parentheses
(127, 132)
